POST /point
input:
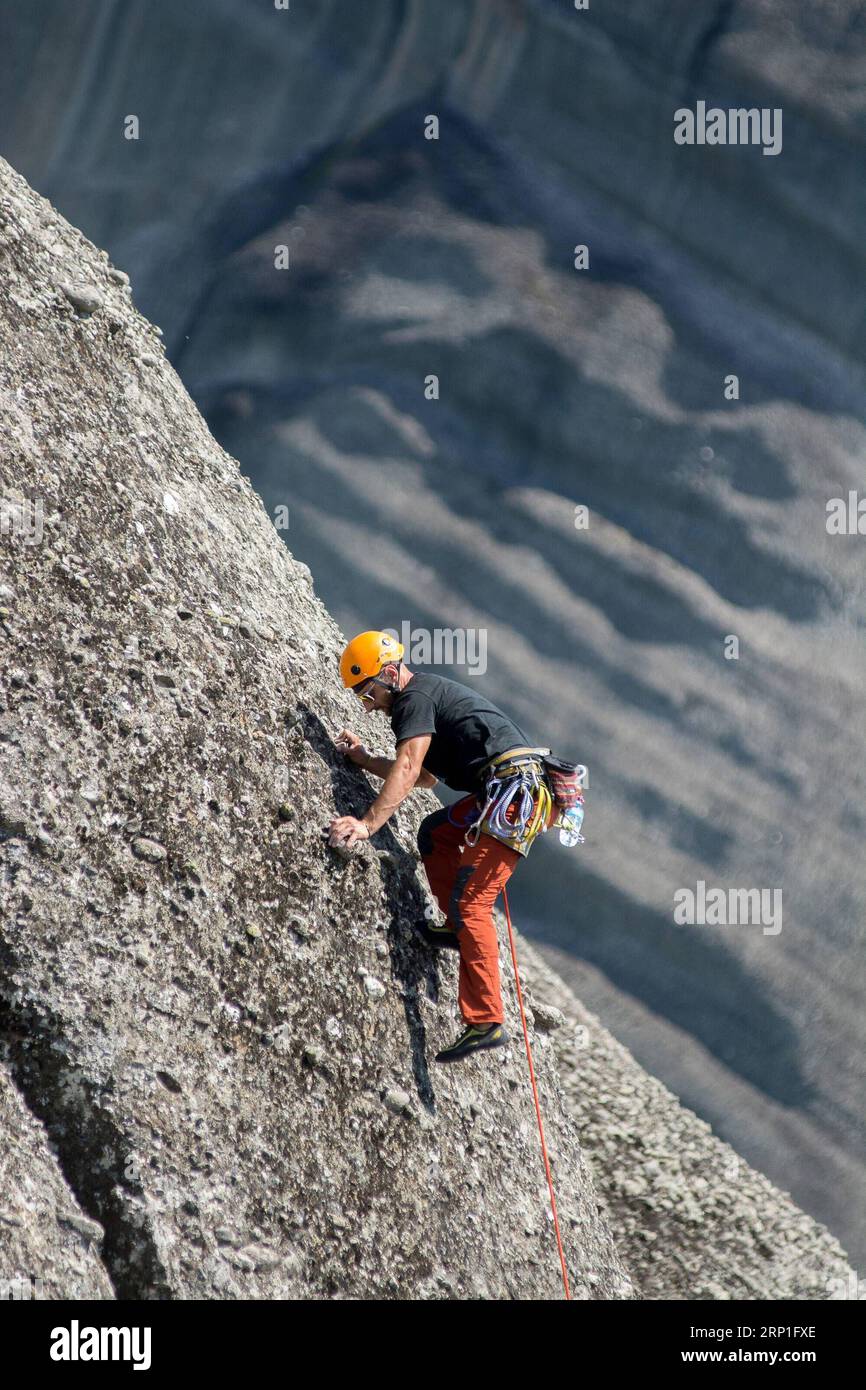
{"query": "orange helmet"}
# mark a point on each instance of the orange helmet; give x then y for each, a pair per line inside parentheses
(365, 656)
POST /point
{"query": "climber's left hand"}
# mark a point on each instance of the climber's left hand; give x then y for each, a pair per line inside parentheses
(346, 831)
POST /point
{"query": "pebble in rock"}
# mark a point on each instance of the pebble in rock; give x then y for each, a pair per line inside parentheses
(148, 849)
(261, 1256)
(83, 298)
(397, 1100)
(91, 1230)
(547, 1018)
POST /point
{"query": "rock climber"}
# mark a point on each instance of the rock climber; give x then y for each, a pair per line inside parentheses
(446, 731)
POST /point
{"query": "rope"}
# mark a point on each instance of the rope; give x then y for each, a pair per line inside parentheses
(535, 1094)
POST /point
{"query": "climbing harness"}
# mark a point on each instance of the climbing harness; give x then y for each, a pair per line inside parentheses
(535, 1094)
(518, 802)
(525, 787)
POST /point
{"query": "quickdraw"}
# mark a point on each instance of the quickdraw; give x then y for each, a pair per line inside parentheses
(518, 803)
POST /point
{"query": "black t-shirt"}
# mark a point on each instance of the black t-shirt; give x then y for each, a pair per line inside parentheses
(468, 730)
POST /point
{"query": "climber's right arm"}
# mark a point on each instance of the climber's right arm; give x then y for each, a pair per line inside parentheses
(355, 751)
(380, 767)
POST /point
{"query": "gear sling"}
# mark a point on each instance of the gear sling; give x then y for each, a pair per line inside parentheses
(527, 791)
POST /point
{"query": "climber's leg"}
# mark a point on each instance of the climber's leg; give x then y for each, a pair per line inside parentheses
(440, 841)
(484, 870)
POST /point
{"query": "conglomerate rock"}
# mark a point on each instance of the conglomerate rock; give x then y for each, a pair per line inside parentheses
(225, 1027)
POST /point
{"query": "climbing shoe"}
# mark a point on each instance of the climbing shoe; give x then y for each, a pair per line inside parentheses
(473, 1039)
(437, 936)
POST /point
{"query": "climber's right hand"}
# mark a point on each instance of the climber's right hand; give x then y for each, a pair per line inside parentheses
(349, 743)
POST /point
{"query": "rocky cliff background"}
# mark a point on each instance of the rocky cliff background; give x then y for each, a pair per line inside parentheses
(707, 517)
(215, 1030)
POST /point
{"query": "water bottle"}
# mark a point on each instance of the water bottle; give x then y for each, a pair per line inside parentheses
(569, 826)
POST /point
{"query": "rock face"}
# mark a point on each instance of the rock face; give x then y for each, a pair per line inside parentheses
(223, 1027)
(49, 1248)
(558, 388)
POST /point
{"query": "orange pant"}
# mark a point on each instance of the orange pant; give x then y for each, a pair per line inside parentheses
(466, 885)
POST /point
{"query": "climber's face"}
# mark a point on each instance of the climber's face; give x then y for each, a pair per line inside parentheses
(377, 694)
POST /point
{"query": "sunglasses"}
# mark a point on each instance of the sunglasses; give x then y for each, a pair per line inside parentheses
(365, 693)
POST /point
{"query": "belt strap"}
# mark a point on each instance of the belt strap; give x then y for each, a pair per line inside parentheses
(514, 753)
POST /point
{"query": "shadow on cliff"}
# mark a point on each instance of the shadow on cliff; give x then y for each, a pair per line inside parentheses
(679, 972)
(413, 966)
(475, 174)
(645, 474)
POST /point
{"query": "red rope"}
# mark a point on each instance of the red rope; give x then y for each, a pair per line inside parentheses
(535, 1094)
